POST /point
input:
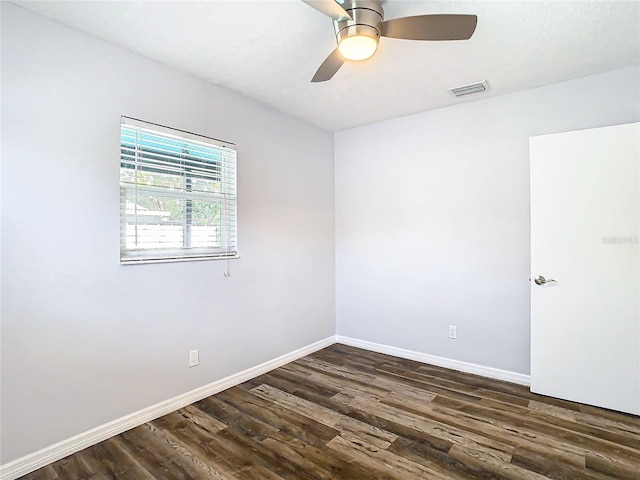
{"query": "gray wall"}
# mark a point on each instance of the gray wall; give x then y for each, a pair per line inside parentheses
(85, 340)
(432, 218)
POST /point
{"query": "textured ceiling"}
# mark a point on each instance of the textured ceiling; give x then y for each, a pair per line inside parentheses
(269, 50)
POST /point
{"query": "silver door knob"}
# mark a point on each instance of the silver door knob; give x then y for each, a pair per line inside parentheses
(541, 280)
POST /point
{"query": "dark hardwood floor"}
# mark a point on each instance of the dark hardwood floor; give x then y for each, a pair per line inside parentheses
(345, 413)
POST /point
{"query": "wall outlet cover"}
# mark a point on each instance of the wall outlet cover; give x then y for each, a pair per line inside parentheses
(193, 358)
(453, 331)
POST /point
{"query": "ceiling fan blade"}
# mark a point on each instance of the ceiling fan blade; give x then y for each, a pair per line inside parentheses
(329, 67)
(330, 8)
(431, 27)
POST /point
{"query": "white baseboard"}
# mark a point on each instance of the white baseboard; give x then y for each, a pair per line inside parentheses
(461, 366)
(39, 459)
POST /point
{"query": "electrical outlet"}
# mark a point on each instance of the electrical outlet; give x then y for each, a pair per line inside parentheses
(193, 358)
(452, 331)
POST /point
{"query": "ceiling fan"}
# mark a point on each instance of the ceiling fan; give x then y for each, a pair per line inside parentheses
(359, 24)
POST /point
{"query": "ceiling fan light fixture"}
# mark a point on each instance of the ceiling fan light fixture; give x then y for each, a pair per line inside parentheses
(357, 47)
(359, 24)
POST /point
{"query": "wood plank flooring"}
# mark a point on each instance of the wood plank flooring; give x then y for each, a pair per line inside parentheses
(345, 413)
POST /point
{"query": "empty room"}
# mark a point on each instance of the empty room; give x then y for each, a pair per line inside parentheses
(320, 239)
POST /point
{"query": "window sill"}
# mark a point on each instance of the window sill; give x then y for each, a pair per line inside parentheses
(146, 261)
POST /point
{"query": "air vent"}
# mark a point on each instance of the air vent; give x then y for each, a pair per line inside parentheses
(469, 89)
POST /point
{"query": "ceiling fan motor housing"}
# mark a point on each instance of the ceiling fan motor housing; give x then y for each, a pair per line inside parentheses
(367, 17)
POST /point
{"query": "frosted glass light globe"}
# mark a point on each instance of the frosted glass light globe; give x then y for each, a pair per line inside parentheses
(357, 47)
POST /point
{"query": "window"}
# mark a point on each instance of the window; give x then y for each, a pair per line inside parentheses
(177, 195)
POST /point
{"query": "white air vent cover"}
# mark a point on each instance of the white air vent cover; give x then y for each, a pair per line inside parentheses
(469, 89)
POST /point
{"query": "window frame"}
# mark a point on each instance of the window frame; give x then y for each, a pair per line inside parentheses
(226, 198)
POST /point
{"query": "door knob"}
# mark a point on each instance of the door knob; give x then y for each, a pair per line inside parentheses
(541, 280)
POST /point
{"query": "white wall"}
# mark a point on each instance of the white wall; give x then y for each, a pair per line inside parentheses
(432, 218)
(85, 340)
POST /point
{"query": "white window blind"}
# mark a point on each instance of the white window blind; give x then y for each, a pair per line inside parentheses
(177, 195)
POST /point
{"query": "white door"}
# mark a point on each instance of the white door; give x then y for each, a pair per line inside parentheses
(585, 217)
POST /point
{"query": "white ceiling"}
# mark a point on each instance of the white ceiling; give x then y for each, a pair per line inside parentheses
(269, 50)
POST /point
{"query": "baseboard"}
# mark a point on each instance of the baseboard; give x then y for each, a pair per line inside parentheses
(461, 366)
(39, 459)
